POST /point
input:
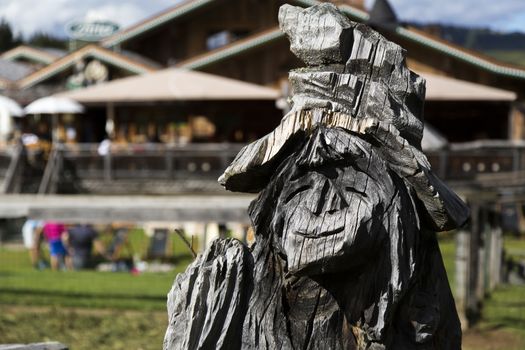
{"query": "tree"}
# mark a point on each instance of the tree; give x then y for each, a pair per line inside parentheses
(42, 39)
(7, 38)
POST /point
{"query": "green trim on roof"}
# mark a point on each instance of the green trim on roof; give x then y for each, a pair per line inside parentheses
(181, 10)
(35, 57)
(349, 10)
(446, 49)
(101, 56)
(461, 55)
(235, 49)
(160, 20)
(59, 69)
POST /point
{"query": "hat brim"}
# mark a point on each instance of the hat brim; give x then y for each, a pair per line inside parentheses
(253, 167)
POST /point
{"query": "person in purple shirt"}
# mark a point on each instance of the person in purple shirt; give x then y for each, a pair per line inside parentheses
(54, 232)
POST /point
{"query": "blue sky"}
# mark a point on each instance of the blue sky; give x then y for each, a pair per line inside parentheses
(503, 15)
(28, 16)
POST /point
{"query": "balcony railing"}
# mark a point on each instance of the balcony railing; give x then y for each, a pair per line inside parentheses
(479, 162)
(490, 163)
(138, 162)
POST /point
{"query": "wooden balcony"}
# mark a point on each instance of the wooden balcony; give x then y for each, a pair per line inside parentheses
(191, 168)
(137, 168)
(481, 164)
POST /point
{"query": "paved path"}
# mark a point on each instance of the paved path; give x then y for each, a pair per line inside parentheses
(78, 208)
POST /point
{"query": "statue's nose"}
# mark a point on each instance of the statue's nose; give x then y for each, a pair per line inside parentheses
(327, 198)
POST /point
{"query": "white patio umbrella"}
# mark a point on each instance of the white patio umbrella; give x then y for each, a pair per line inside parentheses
(54, 105)
(8, 109)
(11, 107)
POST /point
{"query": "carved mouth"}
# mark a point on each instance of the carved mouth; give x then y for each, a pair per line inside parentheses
(319, 226)
(321, 234)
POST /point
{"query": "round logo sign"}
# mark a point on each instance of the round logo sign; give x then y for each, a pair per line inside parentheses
(91, 31)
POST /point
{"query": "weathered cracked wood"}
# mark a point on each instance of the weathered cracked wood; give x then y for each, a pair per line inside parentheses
(209, 300)
(346, 255)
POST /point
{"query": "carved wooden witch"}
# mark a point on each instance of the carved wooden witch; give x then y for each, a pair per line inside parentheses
(346, 255)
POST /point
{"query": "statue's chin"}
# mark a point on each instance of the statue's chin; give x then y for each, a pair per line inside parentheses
(327, 251)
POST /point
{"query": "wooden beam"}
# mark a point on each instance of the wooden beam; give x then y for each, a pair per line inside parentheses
(105, 209)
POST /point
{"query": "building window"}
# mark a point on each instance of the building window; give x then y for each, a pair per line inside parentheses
(223, 38)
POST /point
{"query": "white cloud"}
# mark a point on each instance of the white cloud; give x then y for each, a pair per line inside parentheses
(28, 16)
(124, 15)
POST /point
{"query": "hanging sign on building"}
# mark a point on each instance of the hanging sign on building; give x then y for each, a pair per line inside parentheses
(91, 30)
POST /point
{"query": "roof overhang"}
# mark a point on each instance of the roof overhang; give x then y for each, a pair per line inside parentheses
(156, 21)
(442, 88)
(90, 51)
(171, 85)
(29, 53)
(355, 14)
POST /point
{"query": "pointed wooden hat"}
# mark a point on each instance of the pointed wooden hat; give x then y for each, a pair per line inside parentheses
(358, 81)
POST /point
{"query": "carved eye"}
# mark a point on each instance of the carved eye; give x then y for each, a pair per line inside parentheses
(296, 192)
(355, 190)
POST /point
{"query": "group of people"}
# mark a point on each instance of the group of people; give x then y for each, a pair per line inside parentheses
(71, 247)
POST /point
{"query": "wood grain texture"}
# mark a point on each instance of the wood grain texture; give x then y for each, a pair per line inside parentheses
(346, 255)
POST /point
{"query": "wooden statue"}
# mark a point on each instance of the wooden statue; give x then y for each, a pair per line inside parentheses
(346, 255)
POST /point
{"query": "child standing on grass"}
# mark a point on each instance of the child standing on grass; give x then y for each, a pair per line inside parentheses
(30, 236)
(55, 233)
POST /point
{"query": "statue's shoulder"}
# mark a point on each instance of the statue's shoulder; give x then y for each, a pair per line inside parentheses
(207, 303)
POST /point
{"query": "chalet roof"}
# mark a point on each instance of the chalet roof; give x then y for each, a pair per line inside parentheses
(13, 71)
(260, 39)
(104, 55)
(35, 54)
(165, 16)
(133, 56)
(449, 89)
(188, 6)
(171, 84)
(132, 62)
(438, 87)
(232, 49)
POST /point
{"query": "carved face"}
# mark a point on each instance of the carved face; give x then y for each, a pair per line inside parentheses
(334, 211)
(336, 194)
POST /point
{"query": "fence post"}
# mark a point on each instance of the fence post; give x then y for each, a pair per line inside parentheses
(484, 251)
(496, 255)
(108, 175)
(461, 276)
(57, 169)
(472, 301)
(169, 163)
(515, 160)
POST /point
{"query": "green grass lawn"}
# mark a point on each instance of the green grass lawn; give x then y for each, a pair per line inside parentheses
(21, 284)
(83, 329)
(104, 310)
(515, 247)
(448, 251)
(506, 307)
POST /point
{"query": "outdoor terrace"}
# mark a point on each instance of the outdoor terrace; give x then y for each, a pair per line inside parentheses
(195, 167)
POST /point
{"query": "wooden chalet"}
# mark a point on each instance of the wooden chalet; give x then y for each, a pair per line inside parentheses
(240, 39)
(469, 96)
